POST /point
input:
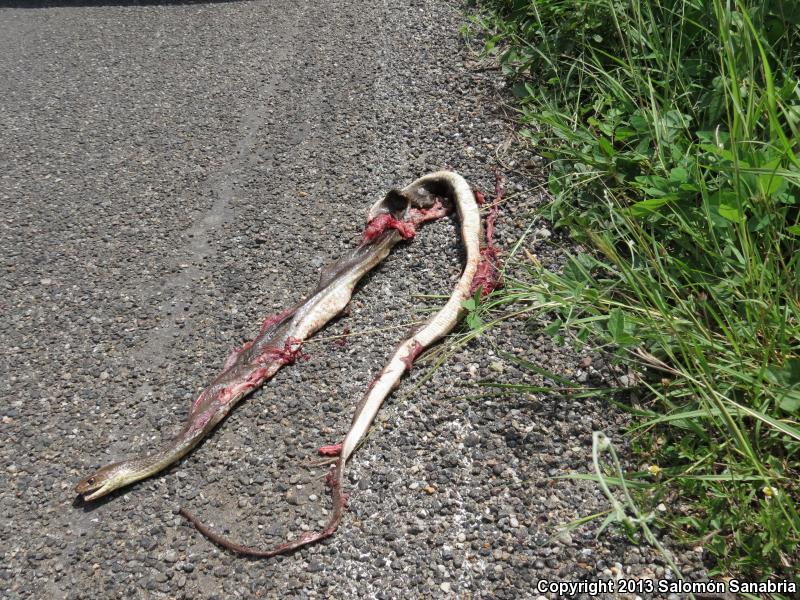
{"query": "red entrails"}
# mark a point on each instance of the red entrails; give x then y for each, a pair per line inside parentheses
(330, 480)
(290, 352)
(272, 319)
(383, 222)
(268, 322)
(254, 379)
(332, 450)
(232, 357)
(308, 536)
(418, 216)
(494, 208)
(487, 277)
(413, 353)
(202, 419)
(336, 487)
(198, 400)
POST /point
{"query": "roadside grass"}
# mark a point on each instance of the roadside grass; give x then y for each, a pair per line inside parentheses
(671, 127)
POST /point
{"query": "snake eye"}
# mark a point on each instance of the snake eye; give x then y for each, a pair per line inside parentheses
(90, 481)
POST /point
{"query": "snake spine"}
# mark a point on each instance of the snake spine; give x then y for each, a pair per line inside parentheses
(280, 338)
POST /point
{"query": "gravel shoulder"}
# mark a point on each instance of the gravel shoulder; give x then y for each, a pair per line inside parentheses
(171, 174)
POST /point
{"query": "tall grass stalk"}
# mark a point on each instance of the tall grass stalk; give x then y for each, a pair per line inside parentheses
(672, 131)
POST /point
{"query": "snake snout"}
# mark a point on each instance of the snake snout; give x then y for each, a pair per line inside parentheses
(98, 483)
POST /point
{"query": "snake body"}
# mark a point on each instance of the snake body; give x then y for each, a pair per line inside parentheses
(278, 343)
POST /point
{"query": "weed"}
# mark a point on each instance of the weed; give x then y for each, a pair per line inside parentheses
(672, 132)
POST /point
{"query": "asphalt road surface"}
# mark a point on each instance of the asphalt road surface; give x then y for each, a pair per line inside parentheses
(171, 173)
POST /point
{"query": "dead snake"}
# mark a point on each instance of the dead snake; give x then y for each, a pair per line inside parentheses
(278, 343)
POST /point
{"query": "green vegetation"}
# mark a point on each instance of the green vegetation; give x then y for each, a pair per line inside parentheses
(671, 127)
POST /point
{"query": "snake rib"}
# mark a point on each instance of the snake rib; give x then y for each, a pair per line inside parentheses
(279, 341)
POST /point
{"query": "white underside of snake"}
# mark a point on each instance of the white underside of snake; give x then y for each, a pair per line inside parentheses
(278, 343)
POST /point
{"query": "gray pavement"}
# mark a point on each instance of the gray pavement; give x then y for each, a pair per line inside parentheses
(172, 173)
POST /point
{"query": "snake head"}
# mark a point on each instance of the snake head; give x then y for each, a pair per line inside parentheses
(103, 481)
